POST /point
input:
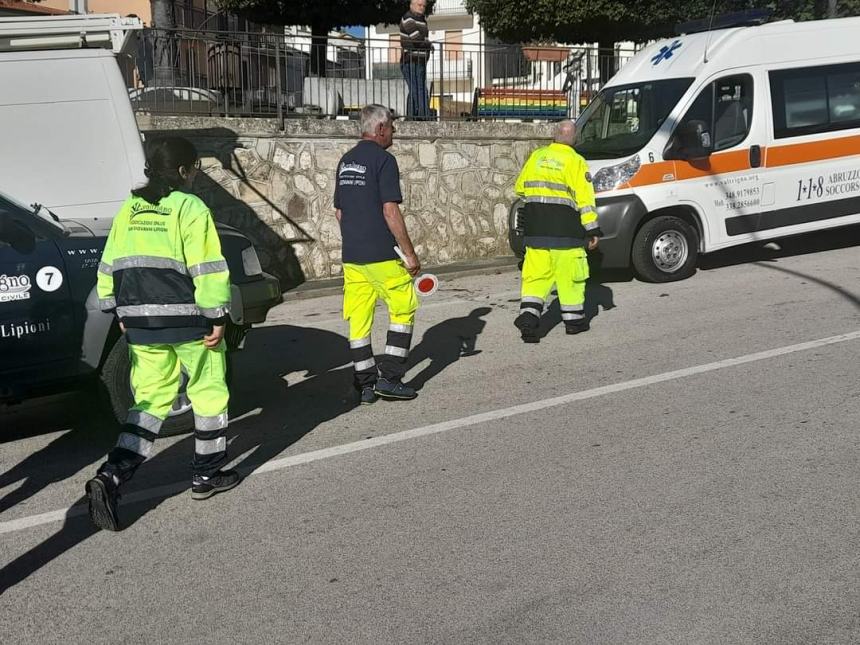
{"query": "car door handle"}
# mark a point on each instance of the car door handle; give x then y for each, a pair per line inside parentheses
(755, 156)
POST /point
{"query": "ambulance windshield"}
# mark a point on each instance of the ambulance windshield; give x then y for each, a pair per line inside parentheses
(621, 120)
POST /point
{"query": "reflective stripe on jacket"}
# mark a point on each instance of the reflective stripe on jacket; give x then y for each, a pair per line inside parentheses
(162, 265)
(560, 210)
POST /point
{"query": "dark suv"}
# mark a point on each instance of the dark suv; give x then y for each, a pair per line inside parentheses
(53, 337)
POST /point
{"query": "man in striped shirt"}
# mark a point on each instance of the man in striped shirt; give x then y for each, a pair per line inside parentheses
(417, 49)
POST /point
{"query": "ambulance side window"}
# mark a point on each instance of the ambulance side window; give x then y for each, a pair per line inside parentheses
(810, 100)
(719, 118)
(733, 102)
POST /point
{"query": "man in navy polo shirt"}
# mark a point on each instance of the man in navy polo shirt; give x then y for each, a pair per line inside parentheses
(367, 198)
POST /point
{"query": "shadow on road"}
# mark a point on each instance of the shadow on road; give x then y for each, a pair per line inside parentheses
(445, 343)
(597, 296)
(829, 240)
(292, 380)
(841, 291)
(289, 380)
(88, 433)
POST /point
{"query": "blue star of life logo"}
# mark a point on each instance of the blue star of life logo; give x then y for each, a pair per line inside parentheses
(666, 52)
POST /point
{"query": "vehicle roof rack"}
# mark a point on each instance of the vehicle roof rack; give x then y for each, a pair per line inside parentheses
(94, 30)
(749, 18)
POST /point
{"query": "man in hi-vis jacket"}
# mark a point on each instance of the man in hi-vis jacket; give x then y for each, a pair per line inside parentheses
(560, 222)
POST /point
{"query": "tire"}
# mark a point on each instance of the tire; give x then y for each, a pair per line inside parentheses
(115, 379)
(515, 236)
(665, 249)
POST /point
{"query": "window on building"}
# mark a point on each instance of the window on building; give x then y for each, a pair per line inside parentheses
(454, 45)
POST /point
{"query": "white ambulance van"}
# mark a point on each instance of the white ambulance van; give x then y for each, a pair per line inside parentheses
(725, 137)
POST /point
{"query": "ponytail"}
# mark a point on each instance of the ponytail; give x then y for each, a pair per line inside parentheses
(155, 189)
(164, 158)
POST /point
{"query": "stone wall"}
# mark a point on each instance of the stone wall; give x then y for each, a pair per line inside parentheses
(277, 186)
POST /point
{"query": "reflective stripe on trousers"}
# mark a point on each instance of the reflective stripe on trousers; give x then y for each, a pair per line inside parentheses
(531, 305)
(155, 376)
(566, 268)
(363, 362)
(364, 284)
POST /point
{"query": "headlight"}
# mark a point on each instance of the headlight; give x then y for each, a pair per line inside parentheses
(250, 262)
(611, 177)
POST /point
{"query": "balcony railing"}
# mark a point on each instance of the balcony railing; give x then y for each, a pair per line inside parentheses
(450, 8)
(265, 74)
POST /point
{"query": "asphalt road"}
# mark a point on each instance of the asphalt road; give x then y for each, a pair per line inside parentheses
(686, 472)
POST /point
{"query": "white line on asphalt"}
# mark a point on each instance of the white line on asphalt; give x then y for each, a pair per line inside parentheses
(453, 424)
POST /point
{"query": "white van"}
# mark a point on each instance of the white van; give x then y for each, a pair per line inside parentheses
(714, 139)
(68, 137)
(70, 151)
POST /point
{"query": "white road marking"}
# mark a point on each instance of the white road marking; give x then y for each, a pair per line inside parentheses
(454, 424)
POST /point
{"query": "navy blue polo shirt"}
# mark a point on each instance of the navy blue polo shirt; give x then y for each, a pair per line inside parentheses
(367, 177)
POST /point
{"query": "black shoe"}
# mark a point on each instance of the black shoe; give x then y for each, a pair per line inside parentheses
(394, 390)
(205, 487)
(102, 495)
(576, 328)
(528, 326)
(367, 395)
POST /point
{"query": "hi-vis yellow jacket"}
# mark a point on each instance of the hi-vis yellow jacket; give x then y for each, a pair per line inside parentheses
(162, 265)
(560, 210)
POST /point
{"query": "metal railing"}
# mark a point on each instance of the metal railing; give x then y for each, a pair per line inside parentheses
(288, 76)
(450, 7)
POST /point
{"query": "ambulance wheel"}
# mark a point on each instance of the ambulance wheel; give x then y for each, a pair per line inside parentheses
(116, 388)
(665, 249)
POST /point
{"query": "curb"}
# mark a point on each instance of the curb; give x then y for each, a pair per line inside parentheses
(334, 286)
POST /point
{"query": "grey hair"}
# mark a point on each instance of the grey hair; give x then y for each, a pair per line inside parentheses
(564, 132)
(372, 116)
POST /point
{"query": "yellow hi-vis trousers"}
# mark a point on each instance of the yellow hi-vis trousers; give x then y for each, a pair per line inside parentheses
(363, 284)
(567, 269)
(156, 371)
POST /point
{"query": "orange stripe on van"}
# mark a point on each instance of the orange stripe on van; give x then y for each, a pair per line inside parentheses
(720, 163)
(653, 173)
(666, 171)
(813, 151)
(723, 163)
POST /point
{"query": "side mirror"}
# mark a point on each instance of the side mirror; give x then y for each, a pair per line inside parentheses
(690, 141)
(702, 146)
(18, 236)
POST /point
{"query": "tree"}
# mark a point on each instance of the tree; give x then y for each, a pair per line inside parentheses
(321, 15)
(609, 21)
(580, 21)
(588, 21)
